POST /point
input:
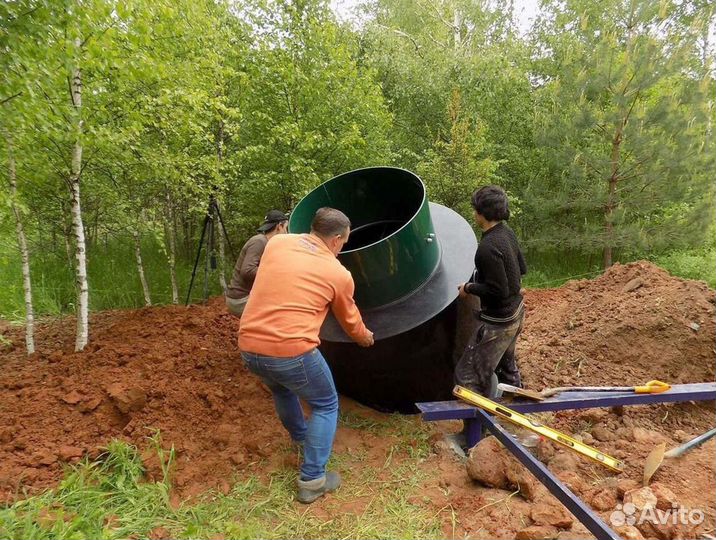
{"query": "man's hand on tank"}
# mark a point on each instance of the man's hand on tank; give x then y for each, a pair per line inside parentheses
(367, 341)
(461, 290)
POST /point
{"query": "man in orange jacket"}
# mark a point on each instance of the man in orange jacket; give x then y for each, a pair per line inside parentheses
(298, 280)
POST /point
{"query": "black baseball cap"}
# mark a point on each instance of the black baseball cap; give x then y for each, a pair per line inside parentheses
(273, 218)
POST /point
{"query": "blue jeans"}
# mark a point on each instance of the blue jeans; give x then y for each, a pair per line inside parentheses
(307, 377)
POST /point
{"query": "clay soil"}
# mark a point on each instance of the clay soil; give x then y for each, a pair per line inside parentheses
(177, 370)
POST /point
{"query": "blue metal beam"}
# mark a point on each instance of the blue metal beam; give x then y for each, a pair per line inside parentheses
(456, 410)
(574, 504)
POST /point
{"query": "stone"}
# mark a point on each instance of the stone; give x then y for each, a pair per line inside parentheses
(551, 513)
(90, 405)
(602, 433)
(487, 463)
(665, 498)
(681, 436)
(626, 484)
(604, 499)
(544, 451)
(520, 478)
(587, 438)
(633, 285)
(127, 399)
(42, 458)
(594, 415)
(562, 461)
(572, 480)
(629, 532)
(642, 435)
(67, 453)
(641, 498)
(537, 532)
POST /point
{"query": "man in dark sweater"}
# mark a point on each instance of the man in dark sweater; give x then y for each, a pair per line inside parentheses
(237, 293)
(499, 266)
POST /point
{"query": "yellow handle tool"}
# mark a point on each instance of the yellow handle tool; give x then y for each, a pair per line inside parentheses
(552, 434)
(652, 387)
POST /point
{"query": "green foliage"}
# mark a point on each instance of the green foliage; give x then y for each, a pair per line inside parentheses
(453, 167)
(692, 264)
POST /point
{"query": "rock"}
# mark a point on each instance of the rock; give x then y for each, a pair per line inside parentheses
(681, 436)
(487, 463)
(594, 415)
(646, 435)
(551, 513)
(67, 453)
(602, 433)
(604, 499)
(562, 461)
(520, 478)
(655, 529)
(572, 480)
(127, 399)
(694, 326)
(626, 484)
(72, 398)
(42, 458)
(90, 404)
(629, 532)
(587, 438)
(623, 434)
(641, 498)
(537, 532)
(665, 498)
(544, 450)
(633, 285)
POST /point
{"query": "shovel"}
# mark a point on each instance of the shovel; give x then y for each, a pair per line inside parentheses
(657, 455)
(651, 387)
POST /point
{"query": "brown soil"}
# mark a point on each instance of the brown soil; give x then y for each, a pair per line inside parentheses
(177, 369)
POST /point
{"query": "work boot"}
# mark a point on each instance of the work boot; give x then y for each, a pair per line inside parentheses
(310, 490)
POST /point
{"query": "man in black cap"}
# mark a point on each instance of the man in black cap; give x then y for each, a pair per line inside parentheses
(237, 293)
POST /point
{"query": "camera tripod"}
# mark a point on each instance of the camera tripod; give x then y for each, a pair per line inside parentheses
(212, 214)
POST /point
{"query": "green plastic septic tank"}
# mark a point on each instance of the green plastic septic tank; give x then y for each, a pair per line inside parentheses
(392, 250)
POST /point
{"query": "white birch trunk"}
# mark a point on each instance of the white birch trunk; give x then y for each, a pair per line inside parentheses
(24, 253)
(171, 235)
(77, 225)
(140, 267)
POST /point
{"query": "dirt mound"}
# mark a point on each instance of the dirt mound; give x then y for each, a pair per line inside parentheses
(632, 324)
(175, 369)
(178, 370)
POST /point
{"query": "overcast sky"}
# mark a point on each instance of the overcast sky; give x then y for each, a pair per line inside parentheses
(525, 11)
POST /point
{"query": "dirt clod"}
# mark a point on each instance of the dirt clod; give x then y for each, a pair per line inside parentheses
(487, 463)
(551, 513)
(537, 532)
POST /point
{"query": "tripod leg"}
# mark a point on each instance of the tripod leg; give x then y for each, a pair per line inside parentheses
(209, 254)
(223, 228)
(196, 262)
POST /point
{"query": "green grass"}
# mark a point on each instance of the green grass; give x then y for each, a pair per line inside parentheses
(112, 275)
(109, 499)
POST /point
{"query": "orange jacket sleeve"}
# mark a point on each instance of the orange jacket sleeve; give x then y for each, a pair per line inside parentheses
(346, 311)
